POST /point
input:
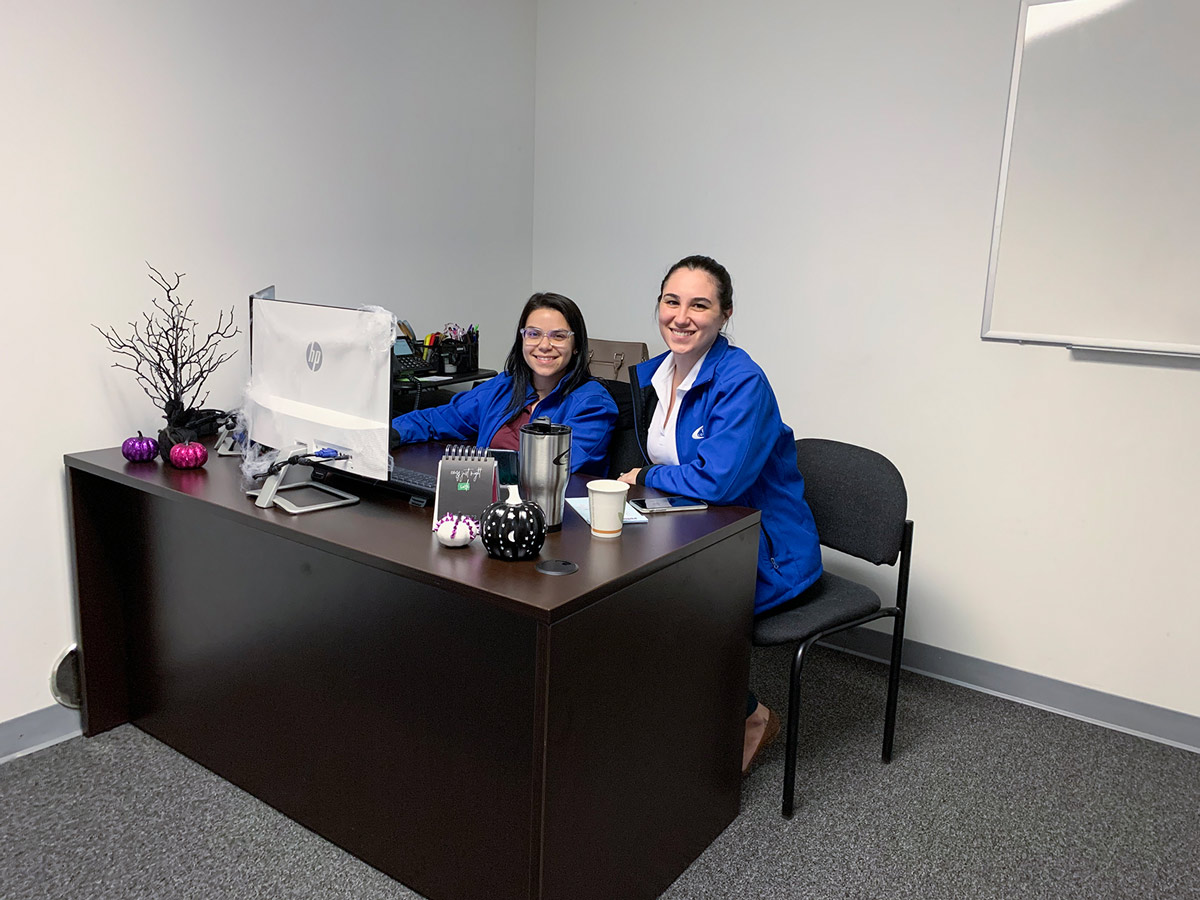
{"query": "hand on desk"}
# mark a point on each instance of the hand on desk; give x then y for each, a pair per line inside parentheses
(630, 477)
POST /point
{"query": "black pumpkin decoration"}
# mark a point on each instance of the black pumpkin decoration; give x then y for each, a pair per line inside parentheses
(513, 529)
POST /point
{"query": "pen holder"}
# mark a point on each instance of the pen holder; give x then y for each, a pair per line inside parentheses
(456, 356)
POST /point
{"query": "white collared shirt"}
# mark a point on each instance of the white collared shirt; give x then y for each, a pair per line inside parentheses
(660, 441)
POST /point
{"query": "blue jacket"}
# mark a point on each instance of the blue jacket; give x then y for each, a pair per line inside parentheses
(476, 415)
(734, 449)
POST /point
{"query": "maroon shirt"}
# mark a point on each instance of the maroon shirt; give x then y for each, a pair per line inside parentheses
(509, 436)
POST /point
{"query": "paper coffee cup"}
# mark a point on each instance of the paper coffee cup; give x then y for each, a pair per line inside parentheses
(606, 506)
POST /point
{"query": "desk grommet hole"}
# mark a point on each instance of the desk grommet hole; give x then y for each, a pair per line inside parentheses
(556, 567)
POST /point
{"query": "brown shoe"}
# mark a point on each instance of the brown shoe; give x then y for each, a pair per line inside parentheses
(770, 732)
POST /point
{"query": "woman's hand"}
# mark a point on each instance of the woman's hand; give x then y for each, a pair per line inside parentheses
(630, 477)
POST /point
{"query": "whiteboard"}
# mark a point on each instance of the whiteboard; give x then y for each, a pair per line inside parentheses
(1096, 237)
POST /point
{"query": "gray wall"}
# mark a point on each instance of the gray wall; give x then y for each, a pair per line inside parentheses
(362, 152)
(842, 160)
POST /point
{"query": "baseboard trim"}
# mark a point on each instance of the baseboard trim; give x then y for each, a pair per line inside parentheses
(1119, 713)
(45, 727)
(37, 730)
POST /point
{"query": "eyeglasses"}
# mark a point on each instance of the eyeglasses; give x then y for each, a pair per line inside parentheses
(535, 335)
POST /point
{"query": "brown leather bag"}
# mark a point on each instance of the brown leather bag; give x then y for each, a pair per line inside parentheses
(612, 359)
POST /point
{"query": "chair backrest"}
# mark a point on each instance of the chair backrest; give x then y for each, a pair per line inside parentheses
(613, 359)
(624, 452)
(857, 498)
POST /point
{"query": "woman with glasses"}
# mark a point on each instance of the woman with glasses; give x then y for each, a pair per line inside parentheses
(709, 427)
(546, 374)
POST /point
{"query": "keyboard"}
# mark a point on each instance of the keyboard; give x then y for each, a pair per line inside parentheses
(412, 482)
(418, 486)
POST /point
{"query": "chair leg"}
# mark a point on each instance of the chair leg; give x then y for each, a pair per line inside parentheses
(793, 730)
(889, 716)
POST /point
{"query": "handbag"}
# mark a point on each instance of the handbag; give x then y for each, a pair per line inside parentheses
(612, 359)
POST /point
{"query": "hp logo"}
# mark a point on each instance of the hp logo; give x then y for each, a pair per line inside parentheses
(313, 356)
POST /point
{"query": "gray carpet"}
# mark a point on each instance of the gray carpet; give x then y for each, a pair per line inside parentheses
(984, 799)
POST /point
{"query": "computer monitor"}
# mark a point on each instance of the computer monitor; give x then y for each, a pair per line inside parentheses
(321, 376)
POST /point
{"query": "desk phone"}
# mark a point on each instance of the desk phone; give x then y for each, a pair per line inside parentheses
(407, 359)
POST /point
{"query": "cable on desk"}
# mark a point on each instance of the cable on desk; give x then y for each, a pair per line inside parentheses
(315, 458)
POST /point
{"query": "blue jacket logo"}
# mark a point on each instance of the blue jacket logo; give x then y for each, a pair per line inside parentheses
(698, 434)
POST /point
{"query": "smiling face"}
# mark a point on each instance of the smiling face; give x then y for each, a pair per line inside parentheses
(548, 361)
(689, 315)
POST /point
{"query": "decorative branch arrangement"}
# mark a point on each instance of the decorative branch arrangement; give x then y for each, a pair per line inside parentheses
(166, 353)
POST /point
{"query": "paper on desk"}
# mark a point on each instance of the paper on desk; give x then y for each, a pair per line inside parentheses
(429, 378)
(580, 505)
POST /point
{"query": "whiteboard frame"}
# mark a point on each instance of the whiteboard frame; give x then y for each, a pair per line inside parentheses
(1072, 342)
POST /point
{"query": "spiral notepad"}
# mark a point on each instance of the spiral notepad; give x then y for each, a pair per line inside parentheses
(466, 482)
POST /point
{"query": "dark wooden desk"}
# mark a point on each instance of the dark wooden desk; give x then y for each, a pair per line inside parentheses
(468, 726)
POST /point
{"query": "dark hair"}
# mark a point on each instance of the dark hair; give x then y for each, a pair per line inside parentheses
(718, 272)
(577, 372)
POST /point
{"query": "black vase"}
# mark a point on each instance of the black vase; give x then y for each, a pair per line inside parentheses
(170, 436)
(185, 425)
(513, 529)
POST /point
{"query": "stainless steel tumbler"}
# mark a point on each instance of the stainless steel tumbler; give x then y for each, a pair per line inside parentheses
(546, 467)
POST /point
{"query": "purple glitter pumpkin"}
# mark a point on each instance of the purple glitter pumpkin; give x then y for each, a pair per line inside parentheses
(140, 448)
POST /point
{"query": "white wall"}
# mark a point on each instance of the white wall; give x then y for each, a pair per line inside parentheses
(842, 159)
(376, 152)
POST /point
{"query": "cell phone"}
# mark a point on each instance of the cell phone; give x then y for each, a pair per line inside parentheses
(647, 505)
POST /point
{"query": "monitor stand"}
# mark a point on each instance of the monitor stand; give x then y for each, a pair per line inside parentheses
(227, 444)
(304, 496)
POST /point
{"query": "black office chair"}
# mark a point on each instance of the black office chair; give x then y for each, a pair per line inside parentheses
(859, 502)
(624, 451)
